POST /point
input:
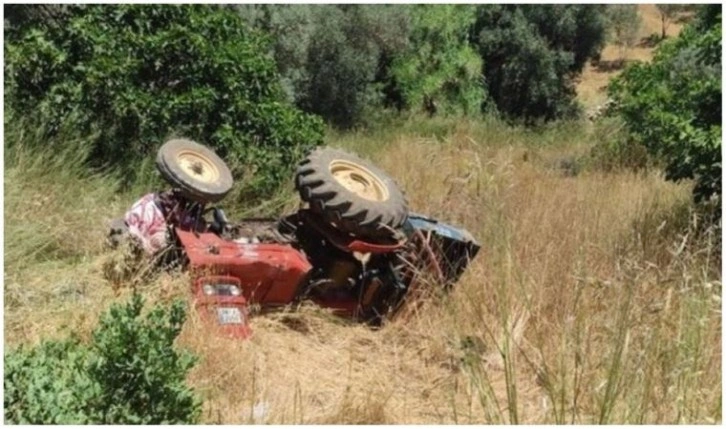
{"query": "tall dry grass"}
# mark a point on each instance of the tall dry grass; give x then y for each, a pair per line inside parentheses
(593, 300)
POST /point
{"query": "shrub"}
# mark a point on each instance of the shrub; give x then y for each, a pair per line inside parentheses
(343, 62)
(532, 53)
(290, 28)
(440, 72)
(130, 373)
(672, 107)
(134, 75)
(333, 59)
(341, 66)
(48, 384)
(347, 48)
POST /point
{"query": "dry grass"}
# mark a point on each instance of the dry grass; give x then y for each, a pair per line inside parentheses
(593, 81)
(590, 301)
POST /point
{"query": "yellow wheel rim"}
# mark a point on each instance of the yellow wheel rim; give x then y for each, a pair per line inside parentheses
(359, 180)
(198, 166)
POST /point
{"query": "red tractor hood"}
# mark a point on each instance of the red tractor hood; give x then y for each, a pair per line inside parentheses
(268, 273)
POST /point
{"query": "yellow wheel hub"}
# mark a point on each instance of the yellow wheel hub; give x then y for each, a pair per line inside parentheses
(198, 166)
(359, 180)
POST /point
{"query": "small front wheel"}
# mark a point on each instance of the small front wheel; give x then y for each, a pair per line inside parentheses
(196, 170)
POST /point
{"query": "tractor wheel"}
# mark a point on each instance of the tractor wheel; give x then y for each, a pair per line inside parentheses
(196, 170)
(351, 193)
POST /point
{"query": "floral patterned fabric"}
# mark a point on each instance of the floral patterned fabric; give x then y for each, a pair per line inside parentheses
(145, 220)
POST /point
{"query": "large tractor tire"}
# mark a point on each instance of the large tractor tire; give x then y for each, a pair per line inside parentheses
(196, 170)
(351, 193)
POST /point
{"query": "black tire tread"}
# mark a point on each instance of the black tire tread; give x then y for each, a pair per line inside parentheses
(336, 204)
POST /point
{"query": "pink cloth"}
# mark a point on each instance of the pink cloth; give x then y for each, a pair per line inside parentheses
(146, 221)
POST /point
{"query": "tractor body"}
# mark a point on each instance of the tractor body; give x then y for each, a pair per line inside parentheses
(267, 264)
(352, 247)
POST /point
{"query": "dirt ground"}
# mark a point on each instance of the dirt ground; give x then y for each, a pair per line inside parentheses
(594, 79)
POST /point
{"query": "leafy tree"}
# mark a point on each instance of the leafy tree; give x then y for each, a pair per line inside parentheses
(667, 11)
(440, 71)
(333, 59)
(130, 373)
(348, 46)
(19, 16)
(532, 53)
(707, 16)
(672, 106)
(290, 28)
(341, 65)
(343, 61)
(625, 22)
(576, 29)
(134, 75)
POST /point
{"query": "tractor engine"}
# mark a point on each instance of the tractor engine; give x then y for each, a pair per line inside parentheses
(345, 274)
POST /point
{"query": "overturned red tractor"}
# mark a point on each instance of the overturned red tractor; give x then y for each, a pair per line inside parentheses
(352, 246)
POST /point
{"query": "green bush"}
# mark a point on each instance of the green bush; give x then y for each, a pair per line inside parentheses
(134, 75)
(346, 57)
(290, 28)
(341, 66)
(532, 53)
(440, 72)
(130, 373)
(333, 59)
(49, 384)
(348, 63)
(672, 107)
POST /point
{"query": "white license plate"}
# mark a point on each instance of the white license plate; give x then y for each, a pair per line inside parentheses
(229, 315)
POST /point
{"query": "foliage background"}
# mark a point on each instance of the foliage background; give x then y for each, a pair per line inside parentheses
(131, 76)
(673, 107)
(597, 295)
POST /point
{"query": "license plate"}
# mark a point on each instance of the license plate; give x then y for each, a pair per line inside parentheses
(229, 315)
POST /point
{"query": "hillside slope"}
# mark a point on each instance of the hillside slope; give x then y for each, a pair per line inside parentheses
(587, 304)
(594, 79)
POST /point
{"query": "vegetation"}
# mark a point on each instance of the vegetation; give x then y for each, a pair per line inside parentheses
(596, 297)
(347, 62)
(625, 22)
(131, 76)
(440, 72)
(592, 300)
(532, 53)
(672, 107)
(333, 59)
(129, 374)
(342, 63)
(668, 11)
